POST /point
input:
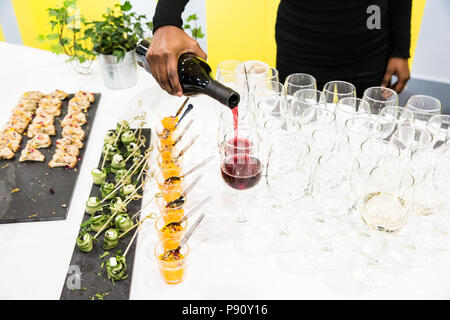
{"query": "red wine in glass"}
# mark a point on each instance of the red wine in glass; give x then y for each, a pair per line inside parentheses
(241, 171)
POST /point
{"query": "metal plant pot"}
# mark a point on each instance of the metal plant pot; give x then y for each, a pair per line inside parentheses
(118, 75)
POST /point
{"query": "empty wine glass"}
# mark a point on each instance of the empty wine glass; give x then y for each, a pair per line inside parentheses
(285, 182)
(334, 199)
(255, 72)
(347, 108)
(298, 81)
(433, 169)
(336, 90)
(424, 107)
(410, 139)
(380, 97)
(391, 117)
(359, 129)
(439, 127)
(385, 207)
(228, 67)
(307, 98)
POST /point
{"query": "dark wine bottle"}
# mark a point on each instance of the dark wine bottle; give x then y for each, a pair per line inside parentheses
(195, 77)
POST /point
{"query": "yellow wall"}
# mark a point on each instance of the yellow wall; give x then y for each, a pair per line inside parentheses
(416, 22)
(32, 17)
(2, 38)
(241, 30)
(245, 29)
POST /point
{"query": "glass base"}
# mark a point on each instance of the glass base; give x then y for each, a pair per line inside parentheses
(283, 242)
(373, 274)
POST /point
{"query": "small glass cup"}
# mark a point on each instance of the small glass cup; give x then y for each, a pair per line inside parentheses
(170, 191)
(172, 271)
(170, 237)
(170, 214)
(391, 117)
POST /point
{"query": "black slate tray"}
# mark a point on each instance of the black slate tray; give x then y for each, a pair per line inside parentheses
(45, 193)
(91, 279)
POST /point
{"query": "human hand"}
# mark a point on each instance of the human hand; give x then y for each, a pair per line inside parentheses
(400, 68)
(168, 44)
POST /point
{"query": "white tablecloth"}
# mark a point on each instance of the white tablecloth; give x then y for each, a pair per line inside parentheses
(35, 256)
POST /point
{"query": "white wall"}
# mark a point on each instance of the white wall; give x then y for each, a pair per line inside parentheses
(147, 7)
(432, 56)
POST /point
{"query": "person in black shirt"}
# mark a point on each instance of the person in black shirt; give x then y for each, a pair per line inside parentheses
(364, 42)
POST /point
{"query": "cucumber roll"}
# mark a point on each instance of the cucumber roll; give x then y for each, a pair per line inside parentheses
(98, 176)
(116, 268)
(85, 242)
(123, 222)
(117, 163)
(110, 137)
(124, 125)
(111, 239)
(106, 189)
(127, 137)
(109, 151)
(127, 190)
(93, 205)
(131, 148)
(120, 174)
(98, 222)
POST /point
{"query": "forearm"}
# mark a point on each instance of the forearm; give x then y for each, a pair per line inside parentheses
(168, 12)
(400, 27)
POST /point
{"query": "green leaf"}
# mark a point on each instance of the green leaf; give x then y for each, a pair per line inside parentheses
(192, 17)
(186, 26)
(126, 6)
(52, 36)
(41, 38)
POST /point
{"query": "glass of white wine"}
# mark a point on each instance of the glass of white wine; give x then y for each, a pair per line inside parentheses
(384, 209)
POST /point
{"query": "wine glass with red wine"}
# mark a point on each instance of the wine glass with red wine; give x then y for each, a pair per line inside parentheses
(241, 164)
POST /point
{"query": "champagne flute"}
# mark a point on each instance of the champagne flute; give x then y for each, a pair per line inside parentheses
(380, 97)
(337, 90)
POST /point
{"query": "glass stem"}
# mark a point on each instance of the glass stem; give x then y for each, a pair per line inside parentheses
(242, 218)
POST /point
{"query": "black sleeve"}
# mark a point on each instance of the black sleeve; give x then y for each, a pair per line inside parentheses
(400, 27)
(168, 12)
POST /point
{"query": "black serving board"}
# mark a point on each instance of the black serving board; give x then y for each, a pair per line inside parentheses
(93, 278)
(45, 193)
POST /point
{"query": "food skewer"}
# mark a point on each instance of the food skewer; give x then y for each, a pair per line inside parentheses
(134, 151)
(180, 154)
(188, 109)
(182, 133)
(150, 216)
(177, 178)
(181, 107)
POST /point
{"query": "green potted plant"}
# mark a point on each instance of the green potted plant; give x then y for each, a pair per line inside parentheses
(114, 39)
(67, 36)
